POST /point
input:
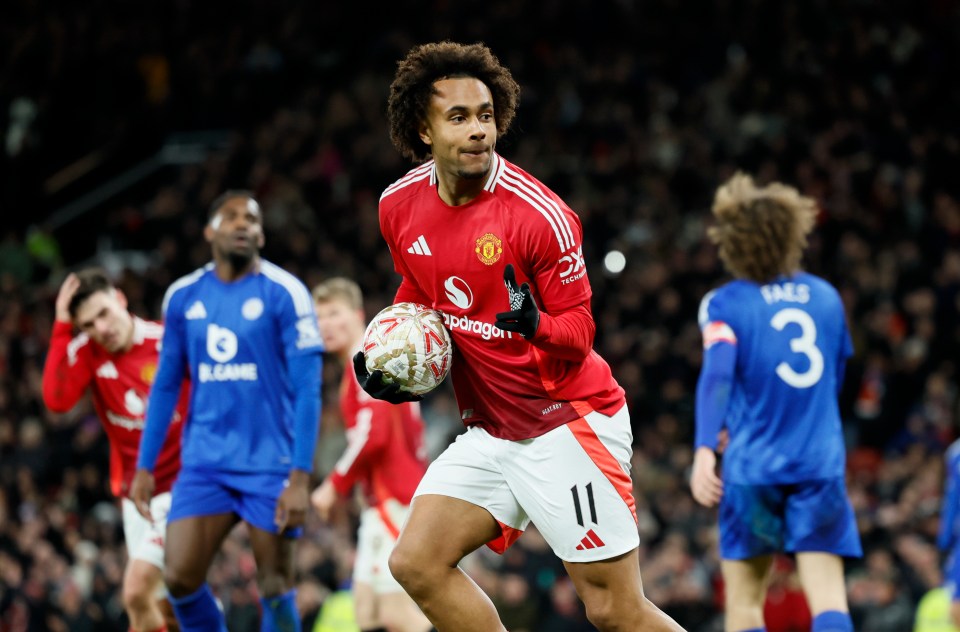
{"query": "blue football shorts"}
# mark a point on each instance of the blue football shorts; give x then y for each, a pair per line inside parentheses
(250, 495)
(813, 516)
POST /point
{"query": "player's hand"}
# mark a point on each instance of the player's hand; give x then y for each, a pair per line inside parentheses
(67, 289)
(292, 505)
(323, 499)
(706, 486)
(141, 492)
(524, 315)
(374, 385)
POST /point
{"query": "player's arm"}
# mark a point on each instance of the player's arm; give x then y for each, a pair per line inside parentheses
(302, 346)
(712, 400)
(367, 440)
(67, 370)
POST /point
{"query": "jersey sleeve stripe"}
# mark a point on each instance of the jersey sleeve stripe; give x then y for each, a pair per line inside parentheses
(718, 331)
(356, 440)
(414, 175)
(509, 185)
(545, 205)
(181, 283)
(297, 290)
(74, 346)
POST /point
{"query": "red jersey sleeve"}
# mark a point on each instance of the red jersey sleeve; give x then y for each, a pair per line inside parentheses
(67, 371)
(408, 291)
(568, 335)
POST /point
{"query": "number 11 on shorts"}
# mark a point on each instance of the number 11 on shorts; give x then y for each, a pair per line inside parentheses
(576, 504)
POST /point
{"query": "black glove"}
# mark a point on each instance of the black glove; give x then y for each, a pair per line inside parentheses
(524, 315)
(374, 385)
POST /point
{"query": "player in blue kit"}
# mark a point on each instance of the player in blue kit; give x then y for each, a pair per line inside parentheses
(775, 347)
(245, 332)
(949, 536)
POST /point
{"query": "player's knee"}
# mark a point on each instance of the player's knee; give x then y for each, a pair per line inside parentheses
(610, 614)
(180, 584)
(137, 597)
(407, 570)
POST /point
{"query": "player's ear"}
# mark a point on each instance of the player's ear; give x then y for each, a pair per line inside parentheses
(121, 297)
(208, 233)
(424, 133)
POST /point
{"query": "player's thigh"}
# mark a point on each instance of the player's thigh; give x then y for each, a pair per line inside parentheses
(145, 547)
(574, 483)
(376, 539)
(820, 518)
(464, 496)
(192, 544)
(751, 520)
(273, 553)
(442, 530)
(821, 575)
(745, 580)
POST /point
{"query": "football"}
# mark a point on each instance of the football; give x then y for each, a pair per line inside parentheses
(410, 345)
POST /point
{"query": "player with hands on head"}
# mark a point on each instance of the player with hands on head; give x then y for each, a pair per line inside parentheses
(245, 330)
(114, 357)
(385, 456)
(775, 346)
(548, 434)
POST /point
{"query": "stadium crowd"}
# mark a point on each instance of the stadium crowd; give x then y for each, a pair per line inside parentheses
(853, 102)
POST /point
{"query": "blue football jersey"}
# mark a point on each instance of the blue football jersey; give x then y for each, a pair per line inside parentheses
(949, 514)
(791, 343)
(234, 340)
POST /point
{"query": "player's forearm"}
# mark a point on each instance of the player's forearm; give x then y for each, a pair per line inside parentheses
(305, 374)
(63, 384)
(568, 335)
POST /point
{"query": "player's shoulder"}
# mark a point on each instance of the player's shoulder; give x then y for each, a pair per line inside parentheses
(410, 185)
(952, 454)
(146, 330)
(532, 203)
(287, 284)
(720, 301)
(184, 286)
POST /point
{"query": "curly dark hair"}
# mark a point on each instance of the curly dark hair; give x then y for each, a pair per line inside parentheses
(413, 87)
(761, 232)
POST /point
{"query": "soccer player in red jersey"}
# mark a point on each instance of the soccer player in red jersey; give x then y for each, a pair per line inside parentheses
(548, 434)
(115, 357)
(385, 455)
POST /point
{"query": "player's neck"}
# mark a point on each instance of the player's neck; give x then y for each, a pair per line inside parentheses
(457, 191)
(229, 271)
(346, 354)
(131, 330)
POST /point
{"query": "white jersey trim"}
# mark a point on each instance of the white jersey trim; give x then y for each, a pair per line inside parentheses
(297, 290)
(356, 438)
(413, 176)
(526, 190)
(74, 346)
(703, 314)
(181, 283)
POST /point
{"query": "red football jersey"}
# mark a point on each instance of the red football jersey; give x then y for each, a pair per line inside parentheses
(119, 384)
(385, 452)
(453, 258)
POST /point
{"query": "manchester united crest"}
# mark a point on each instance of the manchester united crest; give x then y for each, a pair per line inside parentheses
(489, 248)
(148, 372)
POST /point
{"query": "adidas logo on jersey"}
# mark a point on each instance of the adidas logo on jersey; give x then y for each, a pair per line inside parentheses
(420, 247)
(107, 371)
(590, 541)
(196, 311)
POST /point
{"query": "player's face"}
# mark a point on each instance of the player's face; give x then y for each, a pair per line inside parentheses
(460, 127)
(236, 231)
(105, 319)
(340, 325)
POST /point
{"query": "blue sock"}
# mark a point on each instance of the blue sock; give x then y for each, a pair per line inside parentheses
(198, 612)
(280, 613)
(832, 621)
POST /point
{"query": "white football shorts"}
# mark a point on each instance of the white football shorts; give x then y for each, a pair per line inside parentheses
(379, 528)
(145, 539)
(572, 482)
